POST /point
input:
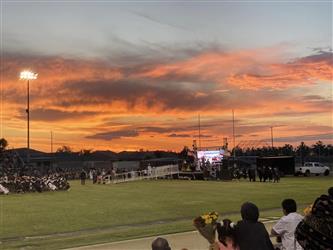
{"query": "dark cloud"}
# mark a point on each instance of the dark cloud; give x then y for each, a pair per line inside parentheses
(55, 115)
(164, 129)
(179, 135)
(134, 93)
(203, 136)
(215, 126)
(312, 137)
(322, 49)
(156, 20)
(159, 130)
(313, 97)
(109, 136)
(322, 109)
(321, 56)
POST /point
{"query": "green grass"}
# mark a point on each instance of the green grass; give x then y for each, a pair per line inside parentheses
(101, 213)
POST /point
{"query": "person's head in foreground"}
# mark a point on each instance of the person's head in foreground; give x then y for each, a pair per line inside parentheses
(160, 244)
(315, 231)
(249, 212)
(226, 233)
(289, 206)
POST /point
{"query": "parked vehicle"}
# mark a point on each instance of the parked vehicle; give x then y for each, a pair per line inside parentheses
(315, 168)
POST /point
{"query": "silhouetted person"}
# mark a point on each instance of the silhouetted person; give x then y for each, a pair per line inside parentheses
(244, 173)
(276, 175)
(160, 244)
(83, 177)
(266, 173)
(94, 174)
(260, 174)
(270, 174)
(226, 236)
(252, 174)
(250, 233)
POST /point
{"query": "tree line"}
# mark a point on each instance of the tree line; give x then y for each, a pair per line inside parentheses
(316, 152)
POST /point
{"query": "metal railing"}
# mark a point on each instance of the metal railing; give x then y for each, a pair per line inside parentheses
(150, 173)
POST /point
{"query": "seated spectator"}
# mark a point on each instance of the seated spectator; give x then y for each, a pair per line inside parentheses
(250, 233)
(3, 189)
(226, 236)
(24, 184)
(315, 231)
(285, 227)
(160, 244)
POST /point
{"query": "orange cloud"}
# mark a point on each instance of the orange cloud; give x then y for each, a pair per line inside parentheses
(80, 99)
(247, 70)
(304, 71)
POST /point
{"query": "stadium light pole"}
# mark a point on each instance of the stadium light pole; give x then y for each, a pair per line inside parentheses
(28, 75)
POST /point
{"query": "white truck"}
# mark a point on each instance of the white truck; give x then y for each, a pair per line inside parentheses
(314, 168)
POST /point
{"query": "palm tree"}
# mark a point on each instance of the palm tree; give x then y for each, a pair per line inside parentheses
(287, 149)
(303, 151)
(65, 149)
(318, 148)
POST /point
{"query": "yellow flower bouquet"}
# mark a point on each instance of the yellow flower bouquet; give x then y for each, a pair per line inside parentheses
(307, 210)
(206, 225)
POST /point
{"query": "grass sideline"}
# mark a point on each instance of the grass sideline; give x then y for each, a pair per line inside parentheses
(94, 214)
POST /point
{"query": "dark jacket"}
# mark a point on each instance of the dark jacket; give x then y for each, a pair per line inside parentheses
(250, 233)
(83, 175)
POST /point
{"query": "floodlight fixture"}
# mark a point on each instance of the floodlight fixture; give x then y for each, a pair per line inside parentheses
(28, 75)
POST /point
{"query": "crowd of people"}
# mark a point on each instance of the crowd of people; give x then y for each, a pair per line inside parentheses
(314, 231)
(99, 176)
(25, 184)
(220, 170)
(216, 171)
(265, 174)
(15, 177)
(11, 163)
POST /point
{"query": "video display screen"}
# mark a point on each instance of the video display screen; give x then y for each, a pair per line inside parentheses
(211, 155)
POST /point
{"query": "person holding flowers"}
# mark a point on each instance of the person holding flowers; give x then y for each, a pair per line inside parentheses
(226, 235)
(207, 225)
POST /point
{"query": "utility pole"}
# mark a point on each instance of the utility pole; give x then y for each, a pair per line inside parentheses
(199, 132)
(233, 132)
(51, 142)
(52, 150)
(272, 135)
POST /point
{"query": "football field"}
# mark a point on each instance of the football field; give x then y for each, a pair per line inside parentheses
(93, 214)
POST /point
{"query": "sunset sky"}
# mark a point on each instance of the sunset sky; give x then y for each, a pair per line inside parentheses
(135, 75)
